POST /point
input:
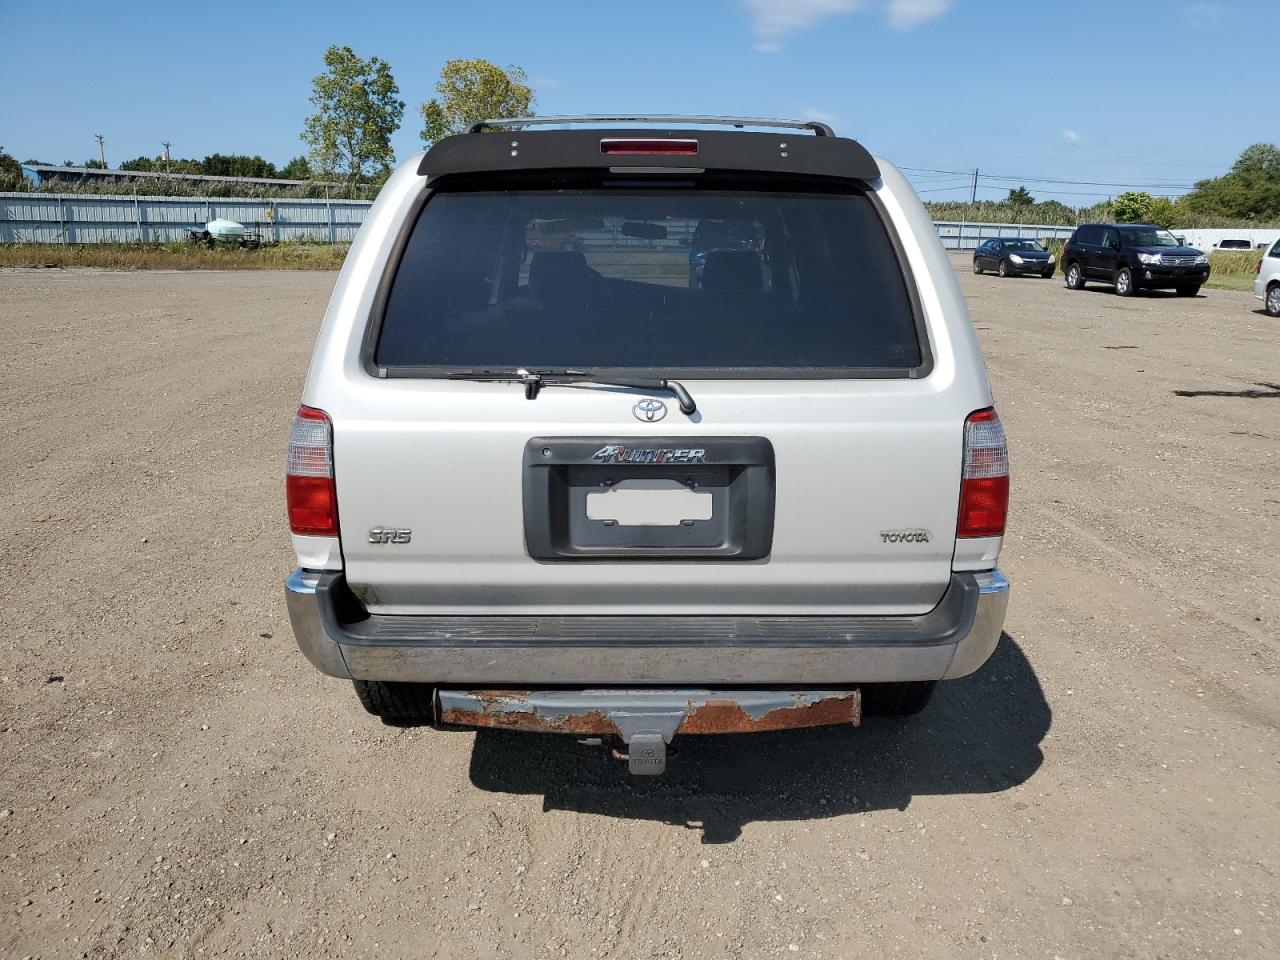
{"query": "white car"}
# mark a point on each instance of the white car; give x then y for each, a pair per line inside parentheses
(577, 491)
(1267, 287)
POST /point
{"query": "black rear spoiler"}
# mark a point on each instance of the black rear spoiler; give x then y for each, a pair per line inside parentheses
(788, 152)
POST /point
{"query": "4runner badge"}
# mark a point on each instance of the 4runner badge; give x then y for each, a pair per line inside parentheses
(904, 536)
(617, 453)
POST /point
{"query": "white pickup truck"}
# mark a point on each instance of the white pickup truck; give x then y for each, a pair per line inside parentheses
(630, 486)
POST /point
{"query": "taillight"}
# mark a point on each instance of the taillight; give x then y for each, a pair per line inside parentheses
(633, 147)
(984, 483)
(1259, 268)
(309, 488)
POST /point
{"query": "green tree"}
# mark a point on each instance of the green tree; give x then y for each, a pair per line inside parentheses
(357, 111)
(1163, 212)
(10, 169)
(1132, 207)
(471, 90)
(1020, 197)
(1053, 211)
(141, 165)
(236, 165)
(296, 169)
(1249, 190)
(1261, 158)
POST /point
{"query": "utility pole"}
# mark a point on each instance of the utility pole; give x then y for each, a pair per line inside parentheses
(102, 149)
(167, 145)
(973, 194)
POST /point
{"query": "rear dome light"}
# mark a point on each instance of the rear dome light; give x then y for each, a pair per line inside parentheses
(984, 482)
(310, 492)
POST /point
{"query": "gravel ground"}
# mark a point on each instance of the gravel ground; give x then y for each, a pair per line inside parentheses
(177, 781)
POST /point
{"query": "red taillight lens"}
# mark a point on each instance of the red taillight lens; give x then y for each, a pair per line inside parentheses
(633, 147)
(1259, 268)
(984, 483)
(310, 493)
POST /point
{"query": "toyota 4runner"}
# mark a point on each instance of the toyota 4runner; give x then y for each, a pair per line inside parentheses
(588, 489)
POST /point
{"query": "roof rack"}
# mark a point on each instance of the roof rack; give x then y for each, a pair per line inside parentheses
(819, 129)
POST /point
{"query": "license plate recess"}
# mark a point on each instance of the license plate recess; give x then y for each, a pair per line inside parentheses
(560, 472)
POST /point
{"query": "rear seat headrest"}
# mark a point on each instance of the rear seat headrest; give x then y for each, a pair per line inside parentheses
(733, 271)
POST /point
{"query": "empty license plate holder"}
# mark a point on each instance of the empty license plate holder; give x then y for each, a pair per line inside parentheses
(736, 474)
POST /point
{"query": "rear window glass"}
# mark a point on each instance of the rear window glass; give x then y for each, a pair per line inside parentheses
(665, 278)
(1235, 245)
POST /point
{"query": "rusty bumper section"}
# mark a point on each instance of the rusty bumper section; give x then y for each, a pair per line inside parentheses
(624, 713)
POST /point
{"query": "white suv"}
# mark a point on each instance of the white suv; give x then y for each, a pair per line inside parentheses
(1267, 287)
(627, 485)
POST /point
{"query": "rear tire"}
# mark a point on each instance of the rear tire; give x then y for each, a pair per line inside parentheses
(1075, 277)
(1189, 290)
(896, 699)
(1124, 282)
(1273, 300)
(399, 704)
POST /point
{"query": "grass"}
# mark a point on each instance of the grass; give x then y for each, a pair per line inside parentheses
(174, 256)
(1233, 270)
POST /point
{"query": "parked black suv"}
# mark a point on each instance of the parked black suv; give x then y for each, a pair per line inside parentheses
(1132, 257)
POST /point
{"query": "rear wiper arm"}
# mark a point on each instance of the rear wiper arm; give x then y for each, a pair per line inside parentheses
(535, 380)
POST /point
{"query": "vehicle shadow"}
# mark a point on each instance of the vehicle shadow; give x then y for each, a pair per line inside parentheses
(979, 735)
(1096, 286)
(1272, 392)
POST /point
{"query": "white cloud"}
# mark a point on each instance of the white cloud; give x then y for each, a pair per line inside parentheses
(906, 14)
(1203, 16)
(775, 20)
(1072, 137)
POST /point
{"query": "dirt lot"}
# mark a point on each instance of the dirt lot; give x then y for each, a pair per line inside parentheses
(178, 781)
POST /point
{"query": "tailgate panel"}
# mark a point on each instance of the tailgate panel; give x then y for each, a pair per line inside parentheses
(848, 465)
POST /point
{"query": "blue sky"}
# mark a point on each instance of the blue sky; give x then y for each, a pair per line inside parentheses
(1149, 94)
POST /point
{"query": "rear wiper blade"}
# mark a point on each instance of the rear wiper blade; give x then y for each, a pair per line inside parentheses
(535, 380)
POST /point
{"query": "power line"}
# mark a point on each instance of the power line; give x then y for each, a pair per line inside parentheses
(1151, 184)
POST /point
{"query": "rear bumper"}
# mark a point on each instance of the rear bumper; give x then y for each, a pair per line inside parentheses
(342, 640)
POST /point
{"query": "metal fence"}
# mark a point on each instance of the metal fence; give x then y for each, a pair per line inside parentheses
(89, 218)
(85, 218)
(961, 235)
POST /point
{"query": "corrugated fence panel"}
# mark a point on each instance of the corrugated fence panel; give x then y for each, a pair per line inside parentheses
(85, 218)
(962, 235)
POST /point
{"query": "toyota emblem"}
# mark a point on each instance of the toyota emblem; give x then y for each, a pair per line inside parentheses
(649, 410)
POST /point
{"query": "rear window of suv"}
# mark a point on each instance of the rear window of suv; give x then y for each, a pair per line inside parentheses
(609, 275)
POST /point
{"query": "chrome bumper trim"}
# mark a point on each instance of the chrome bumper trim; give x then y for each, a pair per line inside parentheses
(458, 651)
(976, 648)
(308, 628)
